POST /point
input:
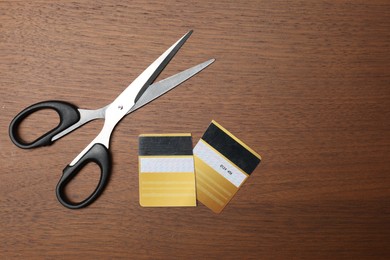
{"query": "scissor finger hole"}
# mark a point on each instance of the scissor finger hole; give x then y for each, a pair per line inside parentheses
(37, 124)
(83, 184)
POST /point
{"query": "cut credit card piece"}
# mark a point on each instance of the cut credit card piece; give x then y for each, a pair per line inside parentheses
(166, 170)
(222, 165)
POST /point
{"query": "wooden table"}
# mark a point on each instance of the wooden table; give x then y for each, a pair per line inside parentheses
(305, 83)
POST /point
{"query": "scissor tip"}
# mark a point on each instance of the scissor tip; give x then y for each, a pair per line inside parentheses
(206, 63)
(210, 61)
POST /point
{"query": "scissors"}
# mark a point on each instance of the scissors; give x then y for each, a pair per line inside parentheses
(139, 93)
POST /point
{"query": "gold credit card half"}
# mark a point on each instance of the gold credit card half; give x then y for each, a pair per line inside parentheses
(166, 170)
(222, 165)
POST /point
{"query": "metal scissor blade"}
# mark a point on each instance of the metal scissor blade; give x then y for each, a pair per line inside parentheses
(170, 54)
(160, 88)
(126, 100)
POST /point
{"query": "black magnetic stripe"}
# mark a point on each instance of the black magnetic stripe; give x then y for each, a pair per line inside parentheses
(165, 145)
(230, 148)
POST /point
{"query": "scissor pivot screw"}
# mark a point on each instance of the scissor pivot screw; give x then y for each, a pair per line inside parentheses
(120, 107)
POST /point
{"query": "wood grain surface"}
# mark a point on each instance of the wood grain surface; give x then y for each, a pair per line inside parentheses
(304, 83)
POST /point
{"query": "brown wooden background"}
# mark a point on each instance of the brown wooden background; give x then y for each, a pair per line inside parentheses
(304, 83)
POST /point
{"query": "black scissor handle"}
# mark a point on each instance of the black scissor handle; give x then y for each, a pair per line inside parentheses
(98, 154)
(68, 113)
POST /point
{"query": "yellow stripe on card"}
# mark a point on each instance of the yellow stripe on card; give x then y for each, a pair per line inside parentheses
(213, 189)
(210, 195)
(167, 189)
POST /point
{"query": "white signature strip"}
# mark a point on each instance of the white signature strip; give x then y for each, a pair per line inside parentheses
(166, 164)
(216, 161)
